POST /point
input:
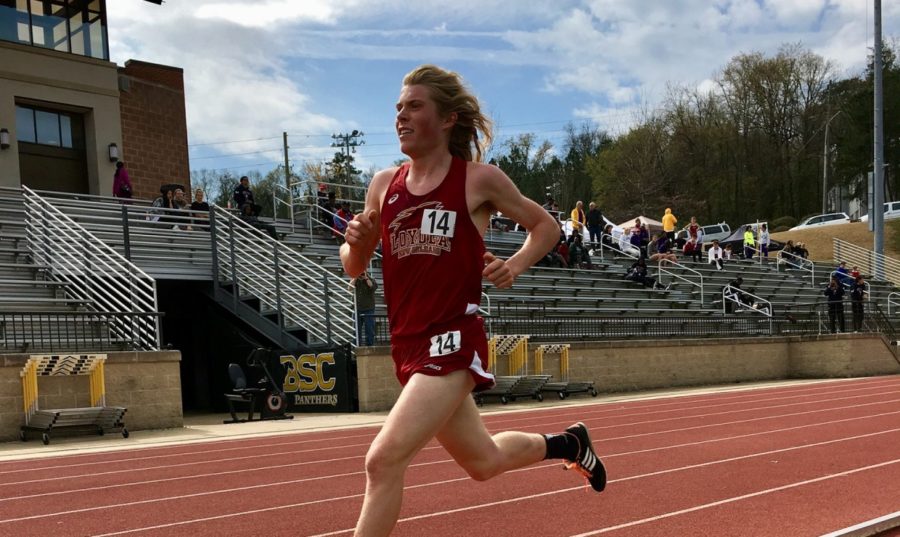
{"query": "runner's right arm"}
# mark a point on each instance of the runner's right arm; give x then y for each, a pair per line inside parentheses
(364, 231)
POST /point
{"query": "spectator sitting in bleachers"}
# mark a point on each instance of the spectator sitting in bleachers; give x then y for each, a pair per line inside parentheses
(578, 254)
(855, 273)
(637, 237)
(180, 204)
(733, 291)
(242, 194)
(661, 246)
(562, 251)
(727, 253)
(249, 216)
(638, 273)
(716, 255)
(497, 222)
(200, 211)
(607, 241)
(623, 238)
(693, 249)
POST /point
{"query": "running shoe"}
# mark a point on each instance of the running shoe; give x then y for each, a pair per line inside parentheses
(587, 462)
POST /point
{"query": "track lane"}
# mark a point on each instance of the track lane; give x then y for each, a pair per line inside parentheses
(502, 487)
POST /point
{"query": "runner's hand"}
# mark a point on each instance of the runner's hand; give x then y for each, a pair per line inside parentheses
(497, 271)
(364, 230)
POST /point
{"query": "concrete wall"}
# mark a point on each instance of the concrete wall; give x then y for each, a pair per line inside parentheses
(68, 82)
(147, 383)
(639, 365)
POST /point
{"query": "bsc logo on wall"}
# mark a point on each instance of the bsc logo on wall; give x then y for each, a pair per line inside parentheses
(317, 382)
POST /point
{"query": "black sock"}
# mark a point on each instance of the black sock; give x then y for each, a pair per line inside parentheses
(561, 446)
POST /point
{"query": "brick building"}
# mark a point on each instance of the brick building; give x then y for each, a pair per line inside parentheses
(154, 128)
(67, 113)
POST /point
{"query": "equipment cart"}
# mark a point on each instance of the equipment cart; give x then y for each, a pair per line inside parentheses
(97, 418)
(565, 387)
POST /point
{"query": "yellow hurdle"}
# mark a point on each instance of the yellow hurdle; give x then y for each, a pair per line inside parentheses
(62, 365)
(515, 348)
(557, 348)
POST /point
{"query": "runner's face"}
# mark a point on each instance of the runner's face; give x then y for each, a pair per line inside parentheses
(420, 127)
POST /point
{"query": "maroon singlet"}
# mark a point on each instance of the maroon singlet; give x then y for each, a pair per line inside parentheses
(432, 266)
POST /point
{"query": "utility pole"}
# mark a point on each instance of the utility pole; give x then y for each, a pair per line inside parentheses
(877, 211)
(287, 163)
(347, 143)
(287, 174)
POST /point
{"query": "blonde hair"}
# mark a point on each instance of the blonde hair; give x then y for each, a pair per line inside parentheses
(451, 96)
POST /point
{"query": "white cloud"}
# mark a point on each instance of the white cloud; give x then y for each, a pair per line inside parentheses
(269, 12)
(237, 87)
(247, 65)
(796, 13)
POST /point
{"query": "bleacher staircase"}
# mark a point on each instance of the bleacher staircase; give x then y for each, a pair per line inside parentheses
(288, 298)
(61, 287)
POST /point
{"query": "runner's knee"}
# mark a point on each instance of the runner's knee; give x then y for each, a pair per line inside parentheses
(481, 469)
(382, 462)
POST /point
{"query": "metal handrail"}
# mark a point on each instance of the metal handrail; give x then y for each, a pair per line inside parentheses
(661, 270)
(52, 194)
(53, 331)
(847, 285)
(299, 290)
(289, 204)
(891, 301)
(99, 275)
(868, 261)
(800, 263)
(613, 248)
(729, 294)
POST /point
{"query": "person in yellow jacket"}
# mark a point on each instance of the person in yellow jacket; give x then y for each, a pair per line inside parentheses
(749, 243)
(668, 222)
(579, 219)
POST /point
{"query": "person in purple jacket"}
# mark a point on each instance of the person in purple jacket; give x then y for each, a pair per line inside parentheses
(121, 182)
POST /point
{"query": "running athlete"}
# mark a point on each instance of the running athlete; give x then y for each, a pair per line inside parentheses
(430, 215)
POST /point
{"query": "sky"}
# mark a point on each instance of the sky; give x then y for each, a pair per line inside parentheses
(315, 68)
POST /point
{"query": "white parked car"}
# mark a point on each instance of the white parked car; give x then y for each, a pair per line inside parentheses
(891, 211)
(709, 233)
(585, 235)
(822, 220)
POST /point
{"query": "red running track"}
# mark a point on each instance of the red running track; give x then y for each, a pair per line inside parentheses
(786, 461)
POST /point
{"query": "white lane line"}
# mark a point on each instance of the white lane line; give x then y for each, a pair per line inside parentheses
(430, 463)
(869, 527)
(437, 446)
(107, 462)
(710, 414)
(747, 420)
(738, 498)
(324, 500)
(818, 388)
(831, 389)
(369, 436)
(635, 522)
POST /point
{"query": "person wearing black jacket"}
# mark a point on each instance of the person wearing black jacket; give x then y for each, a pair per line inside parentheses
(857, 296)
(638, 273)
(835, 294)
(243, 195)
(594, 224)
(734, 290)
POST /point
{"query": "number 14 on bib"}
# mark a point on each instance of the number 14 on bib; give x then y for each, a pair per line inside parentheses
(446, 343)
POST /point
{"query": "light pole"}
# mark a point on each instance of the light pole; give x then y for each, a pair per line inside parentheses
(348, 143)
(825, 165)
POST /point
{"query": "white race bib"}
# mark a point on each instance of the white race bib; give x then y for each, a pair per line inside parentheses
(446, 343)
(437, 222)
